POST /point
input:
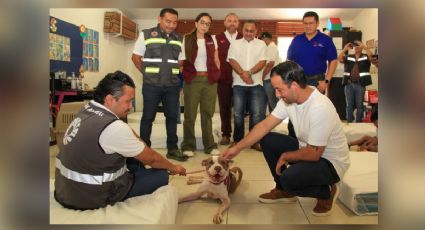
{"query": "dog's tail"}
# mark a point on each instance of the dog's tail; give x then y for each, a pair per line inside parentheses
(236, 172)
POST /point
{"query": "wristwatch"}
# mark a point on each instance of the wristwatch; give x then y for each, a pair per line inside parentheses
(326, 81)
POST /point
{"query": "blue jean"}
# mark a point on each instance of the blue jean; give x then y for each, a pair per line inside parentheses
(354, 94)
(271, 95)
(302, 178)
(248, 99)
(169, 96)
(146, 181)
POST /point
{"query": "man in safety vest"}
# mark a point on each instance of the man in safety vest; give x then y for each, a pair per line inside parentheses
(155, 55)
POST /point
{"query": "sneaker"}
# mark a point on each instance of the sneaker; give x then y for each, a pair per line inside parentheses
(215, 152)
(225, 140)
(189, 153)
(257, 147)
(177, 155)
(276, 196)
(324, 207)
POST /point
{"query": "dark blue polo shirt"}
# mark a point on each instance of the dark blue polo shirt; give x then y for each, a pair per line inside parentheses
(312, 55)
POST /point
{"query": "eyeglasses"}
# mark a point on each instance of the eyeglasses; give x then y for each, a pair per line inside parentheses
(207, 24)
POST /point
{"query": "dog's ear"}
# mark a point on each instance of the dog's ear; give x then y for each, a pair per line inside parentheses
(206, 162)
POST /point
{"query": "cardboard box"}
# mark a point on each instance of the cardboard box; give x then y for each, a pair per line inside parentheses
(66, 115)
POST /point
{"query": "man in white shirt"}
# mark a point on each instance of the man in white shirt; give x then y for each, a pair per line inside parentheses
(91, 169)
(273, 60)
(247, 56)
(311, 165)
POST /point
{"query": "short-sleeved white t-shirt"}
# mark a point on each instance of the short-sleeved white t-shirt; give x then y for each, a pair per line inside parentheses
(201, 57)
(119, 138)
(316, 122)
(272, 55)
(140, 46)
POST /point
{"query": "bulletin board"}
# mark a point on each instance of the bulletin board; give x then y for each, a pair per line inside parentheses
(66, 52)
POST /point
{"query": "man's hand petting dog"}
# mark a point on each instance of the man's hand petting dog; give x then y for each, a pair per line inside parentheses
(230, 153)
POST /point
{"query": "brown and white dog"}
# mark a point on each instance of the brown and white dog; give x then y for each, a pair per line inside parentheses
(220, 183)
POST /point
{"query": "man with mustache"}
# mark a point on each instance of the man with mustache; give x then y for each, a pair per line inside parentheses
(156, 56)
(91, 169)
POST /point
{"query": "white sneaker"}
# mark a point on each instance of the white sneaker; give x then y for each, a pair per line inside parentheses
(189, 153)
(215, 152)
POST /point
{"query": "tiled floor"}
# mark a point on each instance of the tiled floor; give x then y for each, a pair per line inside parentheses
(245, 209)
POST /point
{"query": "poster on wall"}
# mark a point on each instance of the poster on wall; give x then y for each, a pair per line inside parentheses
(91, 51)
(59, 48)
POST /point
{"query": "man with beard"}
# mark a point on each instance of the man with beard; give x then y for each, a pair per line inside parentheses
(311, 165)
(224, 87)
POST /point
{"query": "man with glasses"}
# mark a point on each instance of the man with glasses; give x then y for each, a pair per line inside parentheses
(156, 55)
(316, 53)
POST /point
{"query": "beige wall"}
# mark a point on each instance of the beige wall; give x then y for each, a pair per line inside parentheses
(367, 22)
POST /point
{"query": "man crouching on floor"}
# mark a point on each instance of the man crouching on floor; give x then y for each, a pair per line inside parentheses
(318, 157)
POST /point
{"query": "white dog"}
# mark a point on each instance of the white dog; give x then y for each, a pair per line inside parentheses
(220, 182)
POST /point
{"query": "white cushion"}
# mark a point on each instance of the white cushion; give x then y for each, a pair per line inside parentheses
(157, 208)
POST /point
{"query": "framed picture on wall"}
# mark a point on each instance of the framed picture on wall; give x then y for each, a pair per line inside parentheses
(91, 51)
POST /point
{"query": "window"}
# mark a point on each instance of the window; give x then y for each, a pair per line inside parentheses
(283, 45)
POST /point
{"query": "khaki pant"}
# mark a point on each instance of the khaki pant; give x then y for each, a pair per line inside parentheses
(199, 92)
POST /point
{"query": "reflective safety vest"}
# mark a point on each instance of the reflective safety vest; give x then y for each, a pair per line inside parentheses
(364, 69)
(160, 61)
(86, 177)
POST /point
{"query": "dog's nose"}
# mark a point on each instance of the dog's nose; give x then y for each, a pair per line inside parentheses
(217, 168)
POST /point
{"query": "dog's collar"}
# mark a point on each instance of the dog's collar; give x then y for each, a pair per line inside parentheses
(225, 181)
(219, 182)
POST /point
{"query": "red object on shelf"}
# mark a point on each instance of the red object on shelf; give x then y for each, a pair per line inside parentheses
(367, 117)
(373, 96)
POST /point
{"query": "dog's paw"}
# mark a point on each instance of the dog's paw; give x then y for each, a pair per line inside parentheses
(218, 218)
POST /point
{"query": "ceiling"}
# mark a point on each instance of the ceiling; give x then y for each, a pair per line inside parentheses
(247, 13)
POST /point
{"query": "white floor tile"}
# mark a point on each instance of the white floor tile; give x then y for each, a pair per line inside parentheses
(266, 214)
(198, 213)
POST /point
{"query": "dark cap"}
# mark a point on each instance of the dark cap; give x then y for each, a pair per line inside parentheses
(266, 35)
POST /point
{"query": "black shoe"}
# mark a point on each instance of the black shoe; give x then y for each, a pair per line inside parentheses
(177, 155)
(225, 140)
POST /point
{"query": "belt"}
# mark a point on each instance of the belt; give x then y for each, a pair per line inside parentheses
(202, 74)
(351, 81)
